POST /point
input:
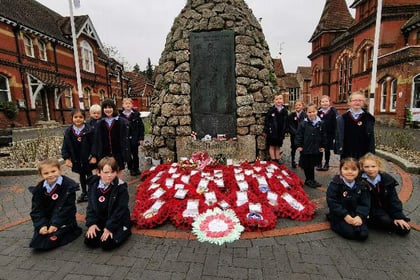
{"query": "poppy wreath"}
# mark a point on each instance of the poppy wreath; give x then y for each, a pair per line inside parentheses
(256, 221)
(145, 217)
(277, 189)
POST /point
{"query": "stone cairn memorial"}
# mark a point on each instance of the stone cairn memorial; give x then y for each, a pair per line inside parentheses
(215, 77)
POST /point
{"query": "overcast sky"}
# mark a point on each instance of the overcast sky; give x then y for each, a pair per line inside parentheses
(138, 28)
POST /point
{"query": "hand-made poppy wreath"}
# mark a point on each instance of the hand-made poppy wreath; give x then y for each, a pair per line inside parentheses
(257, 193)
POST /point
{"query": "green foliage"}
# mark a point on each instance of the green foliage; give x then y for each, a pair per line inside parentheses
(273, 79)
(9, 108)
(149, 70)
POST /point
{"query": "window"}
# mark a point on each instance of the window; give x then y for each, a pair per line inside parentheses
(42, 50)
(86, 98)
(4, 89)
(101, 95)
(87, 57)
(366, 58)
(345, 69)
(389, 94)
(416, 93)
(384, 90)
(68, 98)
(29, 46)
(316, 79)
(393, 104)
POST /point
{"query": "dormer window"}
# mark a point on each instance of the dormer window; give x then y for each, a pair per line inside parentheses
(29, 46)
(88, 62)
(42, 50)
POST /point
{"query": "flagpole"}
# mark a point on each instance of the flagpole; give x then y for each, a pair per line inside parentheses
(76, 58)
(375, 57)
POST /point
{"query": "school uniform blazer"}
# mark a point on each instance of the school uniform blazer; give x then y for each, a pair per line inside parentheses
(79, 151)
(386, 198)
(293, 122)
(62, 212)
(120, 142)
(275, 123)
(311, 138)
(343, 200)
(136, 127)
(369, 129)
(118, 212)
(330, 120)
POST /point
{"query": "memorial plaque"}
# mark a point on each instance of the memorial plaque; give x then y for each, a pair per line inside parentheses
(213, 83)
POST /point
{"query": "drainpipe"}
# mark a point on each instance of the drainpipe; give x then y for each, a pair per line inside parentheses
(54, 45)
(22, 74)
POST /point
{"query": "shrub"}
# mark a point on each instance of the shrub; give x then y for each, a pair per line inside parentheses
(9, 108)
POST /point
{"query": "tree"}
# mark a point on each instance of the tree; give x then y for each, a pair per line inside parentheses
(113, 52)
(149, 69)
(136, 68)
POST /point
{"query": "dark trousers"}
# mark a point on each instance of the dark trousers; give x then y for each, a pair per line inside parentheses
(62, 236)
(83, 175)
(348, 231)
(327, 156)
(292, 147)
(133, 163)
(109, 244)
(308, 163)
(382, 220)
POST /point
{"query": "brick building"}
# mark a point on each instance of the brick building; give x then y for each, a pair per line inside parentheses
(140, 89)
(342, 51)
(37, 67)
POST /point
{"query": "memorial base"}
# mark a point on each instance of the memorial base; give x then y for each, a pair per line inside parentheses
(242, 149)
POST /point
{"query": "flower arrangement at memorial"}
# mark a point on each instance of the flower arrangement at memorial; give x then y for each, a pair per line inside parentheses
(217, 226)
(257, 193)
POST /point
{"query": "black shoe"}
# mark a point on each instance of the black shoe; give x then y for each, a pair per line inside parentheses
(319, 168)
(308, 183)
(326, 167)
(134, 172)
(82, 198)
(316, 184)
(312, 184)
(293, 164)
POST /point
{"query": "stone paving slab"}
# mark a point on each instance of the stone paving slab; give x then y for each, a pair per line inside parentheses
(285, 254)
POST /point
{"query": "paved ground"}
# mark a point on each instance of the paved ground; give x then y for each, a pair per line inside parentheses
(294, 250)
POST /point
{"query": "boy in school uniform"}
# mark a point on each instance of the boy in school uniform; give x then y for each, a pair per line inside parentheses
(135, 135)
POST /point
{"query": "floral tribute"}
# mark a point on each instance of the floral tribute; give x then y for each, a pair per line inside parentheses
(257, 193)
(217, 226)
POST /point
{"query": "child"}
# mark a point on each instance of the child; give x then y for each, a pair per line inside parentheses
(275, 127)
(329, 115)
(293, 121)
(136, 134)
(77, 150)
(111, 135)
(107, 213)
(348, 200)
(95, 114)
(53, 210)
(310, 141)
(386, 208)
(355, 129)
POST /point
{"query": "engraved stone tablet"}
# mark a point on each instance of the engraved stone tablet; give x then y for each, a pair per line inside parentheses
(213, 97)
